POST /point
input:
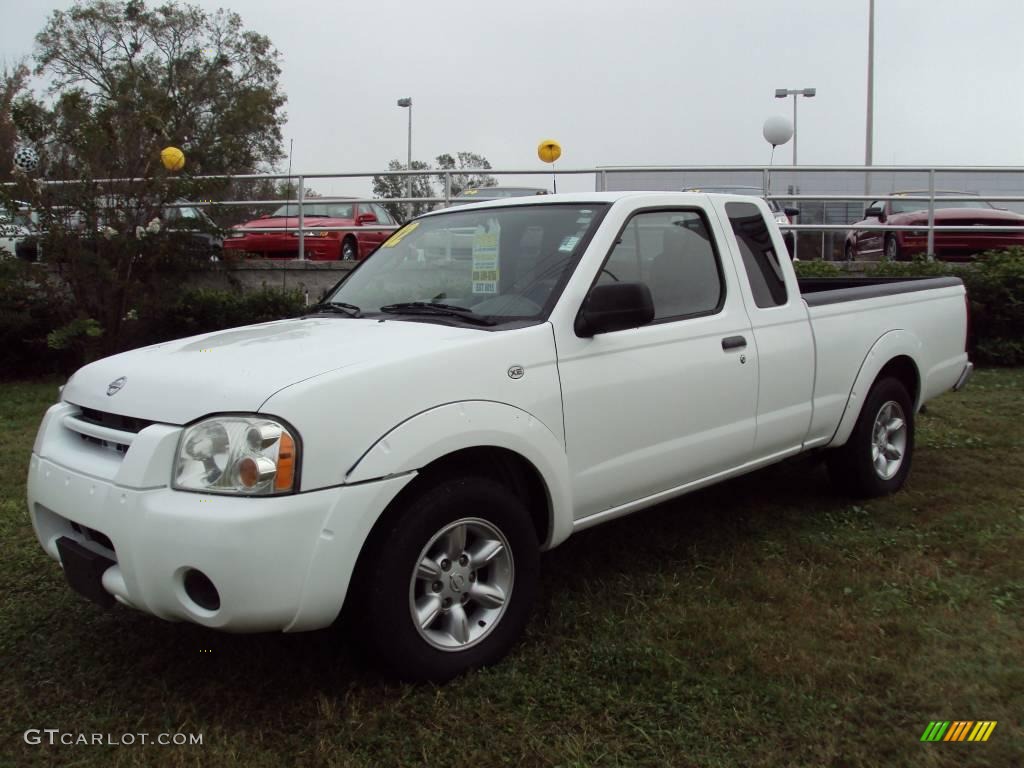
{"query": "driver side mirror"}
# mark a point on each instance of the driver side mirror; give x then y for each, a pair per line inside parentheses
(366, 218)
(614, 307)
(875, 212)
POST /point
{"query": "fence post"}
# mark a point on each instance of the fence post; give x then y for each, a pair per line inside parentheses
(931, 214)
(447, 188)
(302, 219)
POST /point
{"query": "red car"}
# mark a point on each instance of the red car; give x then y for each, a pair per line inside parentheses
(950, 246)
(374, 222)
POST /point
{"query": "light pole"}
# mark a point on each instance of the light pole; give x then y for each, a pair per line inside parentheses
(407, 104)
(869, 136)
(781, 93)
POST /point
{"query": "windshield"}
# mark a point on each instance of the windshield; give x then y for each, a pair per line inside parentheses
(330, 210)
(501, 263)
(910, 206)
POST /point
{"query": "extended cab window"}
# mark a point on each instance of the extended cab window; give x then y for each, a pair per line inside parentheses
(670, 251)
(759, 257)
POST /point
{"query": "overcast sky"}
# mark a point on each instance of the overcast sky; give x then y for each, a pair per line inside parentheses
(642, 82)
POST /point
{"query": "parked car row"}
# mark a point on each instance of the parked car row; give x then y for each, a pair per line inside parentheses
(340, 229)
(16, 228)
(371, 222)
(951, 246)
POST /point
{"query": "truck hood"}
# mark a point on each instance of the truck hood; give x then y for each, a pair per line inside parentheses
(292, 222)
(958, 216)
(238, 369)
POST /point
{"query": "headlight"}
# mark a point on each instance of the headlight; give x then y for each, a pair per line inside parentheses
(313, 233)
(781, 218)
(235, 233)
(247, 455)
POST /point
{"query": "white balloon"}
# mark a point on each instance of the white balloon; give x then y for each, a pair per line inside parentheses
(777, 130)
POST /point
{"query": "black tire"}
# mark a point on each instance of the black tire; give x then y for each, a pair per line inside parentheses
(892, 249)
(848, 252)
(381, 614)
(349, 249)
(853, 468)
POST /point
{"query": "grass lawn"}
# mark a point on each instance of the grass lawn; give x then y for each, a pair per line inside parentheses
(766, 622)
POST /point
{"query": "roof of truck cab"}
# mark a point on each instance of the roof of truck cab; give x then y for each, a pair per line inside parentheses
(582, 198)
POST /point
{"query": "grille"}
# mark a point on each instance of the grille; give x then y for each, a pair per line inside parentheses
(109, 431)
(114, 420)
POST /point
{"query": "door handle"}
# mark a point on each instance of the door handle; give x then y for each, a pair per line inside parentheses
(734, 342)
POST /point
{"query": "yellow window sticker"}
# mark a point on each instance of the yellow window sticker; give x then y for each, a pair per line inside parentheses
(396, 238)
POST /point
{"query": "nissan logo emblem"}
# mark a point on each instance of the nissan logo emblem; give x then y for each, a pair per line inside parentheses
(116, 385)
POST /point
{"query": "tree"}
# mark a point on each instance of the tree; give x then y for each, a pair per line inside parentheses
(464, 181)
(13, 83)
(124, 82)
(128, 80)
(387, 187)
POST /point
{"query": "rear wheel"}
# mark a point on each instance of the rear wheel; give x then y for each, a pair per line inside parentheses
(349, 249)
(448, 584)
(892, 249)
(876, 459)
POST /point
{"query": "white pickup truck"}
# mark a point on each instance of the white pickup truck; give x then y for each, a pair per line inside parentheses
(494, 378)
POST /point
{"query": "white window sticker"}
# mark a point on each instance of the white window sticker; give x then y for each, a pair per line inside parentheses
(568, 244)
(485, 259)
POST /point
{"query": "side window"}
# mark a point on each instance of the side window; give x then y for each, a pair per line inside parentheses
(383, 217)
(670, 251)
(758, 252)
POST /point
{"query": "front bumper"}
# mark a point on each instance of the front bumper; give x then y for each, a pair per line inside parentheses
(961, 246)
(277, 563)
(285, 246)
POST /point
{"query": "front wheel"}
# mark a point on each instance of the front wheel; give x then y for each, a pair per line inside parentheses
(876, 459)
(849, 252)
(449, 584)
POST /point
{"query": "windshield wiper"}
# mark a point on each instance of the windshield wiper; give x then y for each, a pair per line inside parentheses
(340, 307)
(434, 308)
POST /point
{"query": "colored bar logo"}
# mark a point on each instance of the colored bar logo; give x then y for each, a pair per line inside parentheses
(958, 730)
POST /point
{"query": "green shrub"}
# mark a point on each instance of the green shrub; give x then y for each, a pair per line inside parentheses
(201, 310)
(32, 305)
(995, 289)
(818, 268)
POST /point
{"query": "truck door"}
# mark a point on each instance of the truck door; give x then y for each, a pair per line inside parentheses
(781, 330)
(653, 408)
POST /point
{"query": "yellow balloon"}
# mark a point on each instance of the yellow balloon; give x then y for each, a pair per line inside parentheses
(549, 150)
(172, 158)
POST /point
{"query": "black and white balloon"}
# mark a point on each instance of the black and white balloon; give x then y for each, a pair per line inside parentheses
(26, 159)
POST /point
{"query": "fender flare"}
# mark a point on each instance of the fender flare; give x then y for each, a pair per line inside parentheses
(890, 345)
(445, 429)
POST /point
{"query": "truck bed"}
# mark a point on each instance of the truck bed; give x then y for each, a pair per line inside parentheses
(832, 290)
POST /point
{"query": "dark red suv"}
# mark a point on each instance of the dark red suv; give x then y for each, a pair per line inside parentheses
(950, 246)
(374, 222)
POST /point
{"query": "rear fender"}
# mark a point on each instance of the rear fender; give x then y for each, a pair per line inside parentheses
(898, 343)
